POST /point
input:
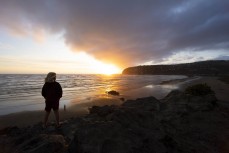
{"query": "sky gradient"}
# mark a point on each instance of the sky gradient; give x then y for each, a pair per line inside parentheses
(80, 36)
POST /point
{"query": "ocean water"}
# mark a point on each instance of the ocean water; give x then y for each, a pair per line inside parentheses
(22, 92)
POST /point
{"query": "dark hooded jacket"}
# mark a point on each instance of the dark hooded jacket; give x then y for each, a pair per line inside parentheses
(52, 92)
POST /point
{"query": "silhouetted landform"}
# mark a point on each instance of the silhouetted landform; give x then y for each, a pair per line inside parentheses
(205, 68)
(181, 122)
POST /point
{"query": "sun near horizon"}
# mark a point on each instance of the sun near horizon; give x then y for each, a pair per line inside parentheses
(108, 69)
(50, 54)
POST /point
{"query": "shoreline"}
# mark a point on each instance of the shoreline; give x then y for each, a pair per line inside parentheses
(178, 81)
(27, 118)
(219, 87)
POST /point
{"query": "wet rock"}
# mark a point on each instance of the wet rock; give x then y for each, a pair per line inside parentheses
(113, 92)
(122, 99)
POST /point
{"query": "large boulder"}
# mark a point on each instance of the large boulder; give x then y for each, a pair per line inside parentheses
(26, 143)
(177, 101)
(146, 104)
(113, 92)
(128, 128)
(148, 125)
(117, 136)
(103, 110)
(44, 143)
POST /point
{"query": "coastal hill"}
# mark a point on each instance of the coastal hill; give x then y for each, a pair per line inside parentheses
(209, 68)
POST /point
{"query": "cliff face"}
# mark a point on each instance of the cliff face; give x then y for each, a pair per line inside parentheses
(210, 68)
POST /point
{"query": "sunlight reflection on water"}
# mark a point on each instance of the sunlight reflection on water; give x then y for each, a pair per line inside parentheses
(23, 92)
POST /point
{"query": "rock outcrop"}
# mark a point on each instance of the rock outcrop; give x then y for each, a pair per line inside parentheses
(113, 92)
(177, 123)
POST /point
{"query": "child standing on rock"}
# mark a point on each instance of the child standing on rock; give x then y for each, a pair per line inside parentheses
(52, 92)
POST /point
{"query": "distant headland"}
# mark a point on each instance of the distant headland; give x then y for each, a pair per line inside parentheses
(203, 68)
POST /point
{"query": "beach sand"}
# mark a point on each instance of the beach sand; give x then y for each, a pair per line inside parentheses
(220, 88)
(27, 118)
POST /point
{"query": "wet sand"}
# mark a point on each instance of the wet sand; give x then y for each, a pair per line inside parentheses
(27, 118)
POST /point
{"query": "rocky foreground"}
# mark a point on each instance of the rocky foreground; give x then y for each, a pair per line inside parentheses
(178, 123)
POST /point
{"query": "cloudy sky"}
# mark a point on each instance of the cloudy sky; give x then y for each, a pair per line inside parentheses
(90, 36)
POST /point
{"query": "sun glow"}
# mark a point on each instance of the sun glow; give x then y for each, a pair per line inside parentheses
(50, 55)
(107, 69)
(92, 65)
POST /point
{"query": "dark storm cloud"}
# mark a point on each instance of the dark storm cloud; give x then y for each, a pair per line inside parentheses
(126, 31)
